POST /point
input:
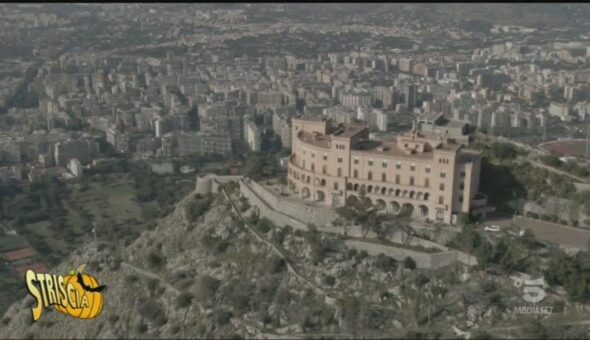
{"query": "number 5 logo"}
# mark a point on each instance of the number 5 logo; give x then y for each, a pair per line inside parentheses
(533, 294)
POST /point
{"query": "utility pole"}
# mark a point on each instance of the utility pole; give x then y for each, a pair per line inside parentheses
(544, 131)
(95, 240)
(429, 301)
(587, 140)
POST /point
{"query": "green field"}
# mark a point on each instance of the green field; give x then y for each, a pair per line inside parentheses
(109, 201)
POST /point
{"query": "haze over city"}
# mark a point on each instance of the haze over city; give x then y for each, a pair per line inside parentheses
(295, 171)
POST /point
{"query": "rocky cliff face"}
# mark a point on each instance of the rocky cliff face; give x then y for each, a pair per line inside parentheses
(215, 278)
(210, 278)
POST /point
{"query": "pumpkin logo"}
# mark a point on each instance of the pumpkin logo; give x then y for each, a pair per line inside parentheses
(78, 294)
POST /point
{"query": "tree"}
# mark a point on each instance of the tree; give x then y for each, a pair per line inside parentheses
(571, 272)
(551, 160)
(409, 263)
(363, 213)
(255, 165)
(503, 151)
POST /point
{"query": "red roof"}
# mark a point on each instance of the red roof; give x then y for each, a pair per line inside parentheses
(37, 267)
(20, 254)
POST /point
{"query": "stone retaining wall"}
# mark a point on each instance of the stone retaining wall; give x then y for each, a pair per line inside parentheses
(423, 259)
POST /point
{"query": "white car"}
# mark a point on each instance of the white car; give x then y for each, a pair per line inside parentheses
(517, 233)
(493, 228)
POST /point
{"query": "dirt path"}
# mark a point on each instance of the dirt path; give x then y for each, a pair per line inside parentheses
(151, 275)
(557, 171)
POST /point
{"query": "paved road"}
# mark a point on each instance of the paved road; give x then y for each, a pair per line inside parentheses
(547, 231)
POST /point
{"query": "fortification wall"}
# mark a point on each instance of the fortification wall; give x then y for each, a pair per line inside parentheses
(301, 211)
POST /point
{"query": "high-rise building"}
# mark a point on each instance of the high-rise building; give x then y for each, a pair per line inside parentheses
(252, 136)
(281, 127)
(410, 94)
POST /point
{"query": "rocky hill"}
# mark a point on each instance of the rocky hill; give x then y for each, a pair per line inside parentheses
(218, 278)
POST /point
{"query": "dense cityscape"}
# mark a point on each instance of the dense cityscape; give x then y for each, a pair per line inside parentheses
(299, 170)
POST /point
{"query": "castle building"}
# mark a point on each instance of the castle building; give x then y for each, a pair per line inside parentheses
(432, 178)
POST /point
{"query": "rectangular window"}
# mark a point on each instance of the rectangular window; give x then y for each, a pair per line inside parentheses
(442, 186)
(370, 162)
(427, 169)
(461, 199)
(384, 164)
(312, 154)
(335, 185)
(413, 167)
(398, 165)
(356, 161)
(339, 159)
(325, 157)
(440, 200)
(461, 186)
(462, 174)
(443, 175)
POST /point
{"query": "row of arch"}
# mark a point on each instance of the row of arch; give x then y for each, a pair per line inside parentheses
(394, 207)
(318, 195)
(307, 179)
(411, 194)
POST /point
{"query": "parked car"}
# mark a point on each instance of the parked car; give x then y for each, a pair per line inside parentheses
(492, 228)
(518, 233)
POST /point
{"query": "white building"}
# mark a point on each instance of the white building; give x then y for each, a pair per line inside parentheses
(561, 110)
(75, 167)
(252, 136)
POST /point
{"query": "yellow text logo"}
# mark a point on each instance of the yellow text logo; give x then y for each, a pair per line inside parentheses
(77, 294)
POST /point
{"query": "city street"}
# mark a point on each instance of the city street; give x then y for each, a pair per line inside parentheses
(546, 231)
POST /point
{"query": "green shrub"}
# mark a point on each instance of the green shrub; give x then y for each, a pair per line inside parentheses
(409, 263)
(196, 208)
(264, 225)
(222, 317)
(385, 263)
(184, 300)
(152, 310)
(155, 259)
(275, 264)
(329, 280)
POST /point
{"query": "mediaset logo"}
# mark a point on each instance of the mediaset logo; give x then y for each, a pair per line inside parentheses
(532, 292)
